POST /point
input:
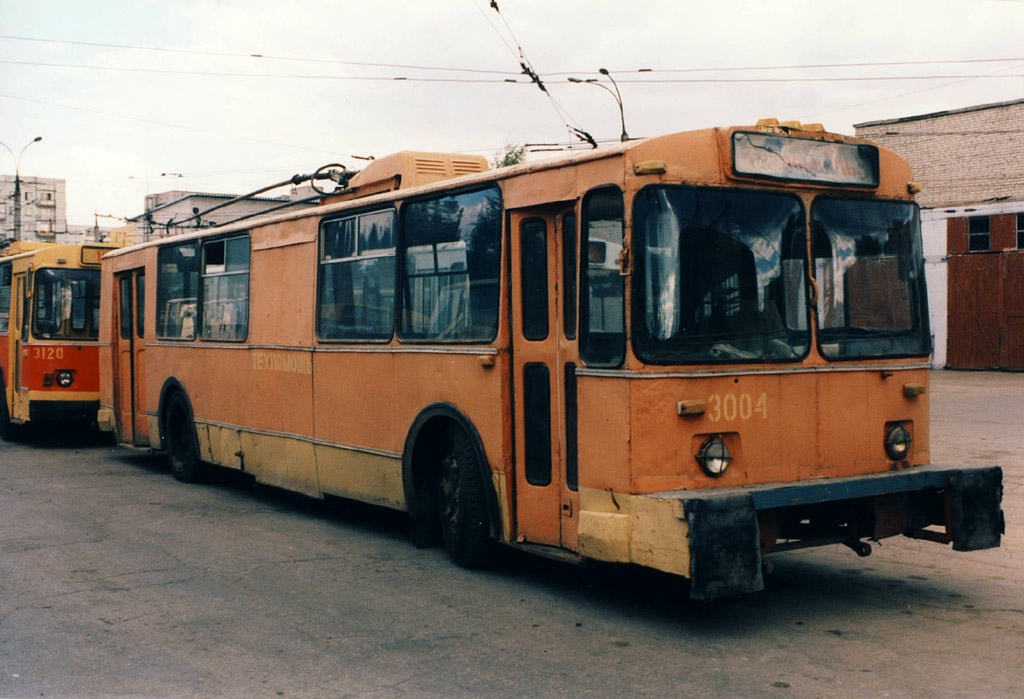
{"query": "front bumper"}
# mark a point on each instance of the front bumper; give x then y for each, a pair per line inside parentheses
(63, 410)
(725, 531)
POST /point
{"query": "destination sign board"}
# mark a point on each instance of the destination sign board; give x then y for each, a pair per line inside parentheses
(804, 160)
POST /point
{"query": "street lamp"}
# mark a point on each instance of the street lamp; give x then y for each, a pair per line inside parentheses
(17, 184)
(616, 95)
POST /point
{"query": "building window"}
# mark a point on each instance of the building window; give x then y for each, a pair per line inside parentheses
(978, 227)
(1020, 231)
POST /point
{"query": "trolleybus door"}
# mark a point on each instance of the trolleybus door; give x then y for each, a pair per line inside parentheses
(131, 368)
(19, 334)
(546, 505)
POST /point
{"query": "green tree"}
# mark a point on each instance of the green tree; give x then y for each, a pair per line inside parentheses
(512, 153)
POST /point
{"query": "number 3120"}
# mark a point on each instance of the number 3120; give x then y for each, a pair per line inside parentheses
(47, 353)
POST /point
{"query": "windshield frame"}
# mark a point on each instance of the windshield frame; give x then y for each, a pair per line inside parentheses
(638, 297)
(66, 275)
(918, 304)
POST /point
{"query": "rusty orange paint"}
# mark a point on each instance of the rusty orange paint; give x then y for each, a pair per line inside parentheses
(784, 423)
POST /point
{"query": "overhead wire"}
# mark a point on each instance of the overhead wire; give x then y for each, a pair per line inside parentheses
(513, 51)
(905, 94)
(269, 57)
(567, 120)
(230, 74)
(528, 71)
(155, 122)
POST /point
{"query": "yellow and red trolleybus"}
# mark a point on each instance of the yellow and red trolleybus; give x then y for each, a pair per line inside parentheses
(684, 352)
(49, 328)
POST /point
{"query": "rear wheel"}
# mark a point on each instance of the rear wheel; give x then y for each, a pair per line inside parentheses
(461, 503)
(182, 444)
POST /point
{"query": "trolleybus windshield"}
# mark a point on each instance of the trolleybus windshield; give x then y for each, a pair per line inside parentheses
(869, 267)
(67, 304)
(720, 276)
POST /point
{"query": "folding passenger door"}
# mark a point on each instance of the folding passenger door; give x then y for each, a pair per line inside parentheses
(544, 358)
(18, 335)
(130, 389)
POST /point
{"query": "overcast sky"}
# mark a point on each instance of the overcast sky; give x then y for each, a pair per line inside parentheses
(113, 119)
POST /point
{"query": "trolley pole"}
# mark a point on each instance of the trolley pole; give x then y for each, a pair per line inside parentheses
(616, 95)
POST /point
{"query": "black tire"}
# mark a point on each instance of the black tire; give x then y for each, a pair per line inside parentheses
(9, 432)
(182, 443)
(461, 502)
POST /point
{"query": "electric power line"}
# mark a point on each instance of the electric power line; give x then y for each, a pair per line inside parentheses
(528, 70)
(406, 66)
(178, 126)
(268, 57)
(921, 134)
(534, 77)
(228, 74)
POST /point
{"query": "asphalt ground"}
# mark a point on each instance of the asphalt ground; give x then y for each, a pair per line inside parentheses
(116, 580)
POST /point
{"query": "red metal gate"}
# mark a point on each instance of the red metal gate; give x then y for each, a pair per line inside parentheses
(986, 310)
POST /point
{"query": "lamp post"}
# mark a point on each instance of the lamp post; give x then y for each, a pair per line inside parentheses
(17, 184)
(615, 94)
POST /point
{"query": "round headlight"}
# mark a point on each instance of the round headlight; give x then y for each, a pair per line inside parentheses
(897, 442)
(64, 378)
(714, 457)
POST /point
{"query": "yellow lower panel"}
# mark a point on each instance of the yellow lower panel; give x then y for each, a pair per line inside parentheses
(62, 395)
(368, 477)
(498, 479)
(634, 528)
(105, 419)
(281, 461)
(219, 445)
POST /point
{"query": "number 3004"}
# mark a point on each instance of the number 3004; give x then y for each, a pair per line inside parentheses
(732, 406)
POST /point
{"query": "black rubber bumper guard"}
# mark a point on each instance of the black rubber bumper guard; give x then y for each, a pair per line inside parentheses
(63, 410)
(725, 552)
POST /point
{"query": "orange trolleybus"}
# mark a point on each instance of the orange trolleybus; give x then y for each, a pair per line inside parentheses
(683, 352)
(49, 328)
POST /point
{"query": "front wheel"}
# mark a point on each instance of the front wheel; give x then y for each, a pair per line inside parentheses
(182, 444)
(461, 503)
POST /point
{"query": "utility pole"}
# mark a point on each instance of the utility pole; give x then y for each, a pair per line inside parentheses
(17, 184)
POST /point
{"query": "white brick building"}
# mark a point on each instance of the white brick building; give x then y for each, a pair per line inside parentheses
(970, 163)
(962, 156)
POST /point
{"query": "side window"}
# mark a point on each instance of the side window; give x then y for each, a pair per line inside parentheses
(451, 257)
(569, 258)
(177, 291)
(79, 305)
(125, 307)
(5, 297)
(140, 304)
(533, 249)
(356, 288)
(602, 290)
(225, 273)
